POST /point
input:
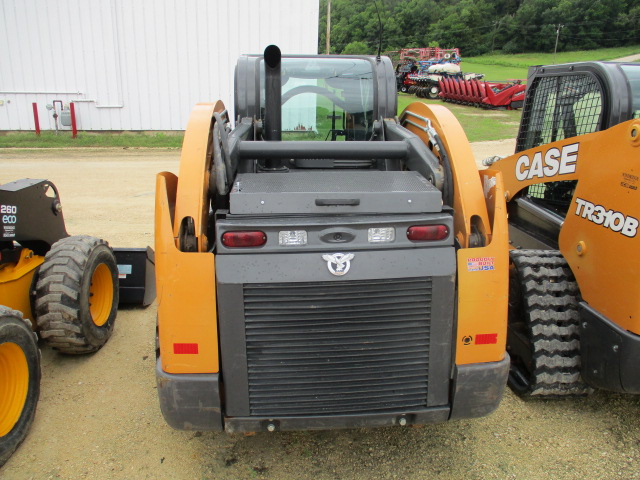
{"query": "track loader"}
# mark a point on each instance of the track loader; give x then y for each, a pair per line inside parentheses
(312, 284)
(574, 210)
(65, 288)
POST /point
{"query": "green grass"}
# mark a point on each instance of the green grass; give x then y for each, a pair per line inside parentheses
(479, 124)
(88, 139)
(497, 67)
(495, 73)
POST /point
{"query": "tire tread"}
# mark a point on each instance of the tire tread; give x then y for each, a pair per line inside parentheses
(58, 293)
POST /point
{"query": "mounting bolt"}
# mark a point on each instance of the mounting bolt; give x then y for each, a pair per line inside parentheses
(271, 427)
(581, 248)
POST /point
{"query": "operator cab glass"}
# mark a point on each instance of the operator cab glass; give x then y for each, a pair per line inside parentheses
(331, 99)
(632, 73)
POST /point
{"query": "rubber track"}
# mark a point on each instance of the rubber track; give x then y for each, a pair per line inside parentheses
(550, 301)
(57, 293)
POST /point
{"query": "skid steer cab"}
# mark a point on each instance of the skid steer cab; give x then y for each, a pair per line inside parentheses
(325, 264)
(65, 288)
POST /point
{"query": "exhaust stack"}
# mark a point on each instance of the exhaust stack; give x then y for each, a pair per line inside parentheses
(273, 100)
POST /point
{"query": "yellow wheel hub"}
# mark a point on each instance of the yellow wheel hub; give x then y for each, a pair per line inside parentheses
(14, 385)
(101, 295)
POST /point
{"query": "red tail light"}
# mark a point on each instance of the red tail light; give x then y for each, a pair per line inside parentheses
(427, 233)
(244, 239)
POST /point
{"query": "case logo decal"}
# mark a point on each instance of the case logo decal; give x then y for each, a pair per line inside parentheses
(339, 263)
(555, 162)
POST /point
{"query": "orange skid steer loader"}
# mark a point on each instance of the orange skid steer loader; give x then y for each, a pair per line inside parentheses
(324, 264)
(572, 191)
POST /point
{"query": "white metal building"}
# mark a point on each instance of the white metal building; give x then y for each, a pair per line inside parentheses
(135, 64)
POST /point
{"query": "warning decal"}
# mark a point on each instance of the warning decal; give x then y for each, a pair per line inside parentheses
(124, 270)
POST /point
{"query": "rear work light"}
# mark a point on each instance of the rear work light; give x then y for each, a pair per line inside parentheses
(244, 239)
(291, 238)
(381, 235)
(427, 233)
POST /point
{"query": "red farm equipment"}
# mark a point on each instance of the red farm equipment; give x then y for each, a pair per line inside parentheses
(492, 95)
(417, 64)
(429, 86)
(431, 53)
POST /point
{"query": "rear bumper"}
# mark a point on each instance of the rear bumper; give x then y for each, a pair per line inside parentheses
(192, 402)
(478, 388)
(609, 353)
(327, 422)
(189, 401)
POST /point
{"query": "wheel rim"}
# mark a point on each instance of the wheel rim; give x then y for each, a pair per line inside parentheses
(14, 385)
(101, 295)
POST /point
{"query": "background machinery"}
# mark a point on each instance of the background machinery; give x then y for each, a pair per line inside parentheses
(431, 84)
(490, 95)
(63, 287)
(324, 284)
(574, 209)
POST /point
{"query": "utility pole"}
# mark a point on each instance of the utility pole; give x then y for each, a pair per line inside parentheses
(328, 27)
(557, 37)
(495, 30)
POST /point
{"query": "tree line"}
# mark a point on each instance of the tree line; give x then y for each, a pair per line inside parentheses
(480, 26)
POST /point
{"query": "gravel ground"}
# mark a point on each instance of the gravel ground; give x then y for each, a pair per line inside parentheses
(630, 58)
(98, 415)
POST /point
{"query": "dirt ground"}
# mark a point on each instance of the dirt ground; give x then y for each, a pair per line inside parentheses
(98, 415)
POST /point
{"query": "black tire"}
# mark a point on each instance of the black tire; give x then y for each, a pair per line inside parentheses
(77, 295)
(543, 336)
(19, 380)
(404, 89)
(433, 92)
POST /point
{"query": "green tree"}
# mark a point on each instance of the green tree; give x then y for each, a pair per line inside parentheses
(467, 25)
(356, 48)
(482, 25)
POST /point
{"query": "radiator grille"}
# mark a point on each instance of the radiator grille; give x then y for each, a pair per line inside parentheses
(337, 347)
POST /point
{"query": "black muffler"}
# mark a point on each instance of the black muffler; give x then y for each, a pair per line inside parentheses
(273, 101)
